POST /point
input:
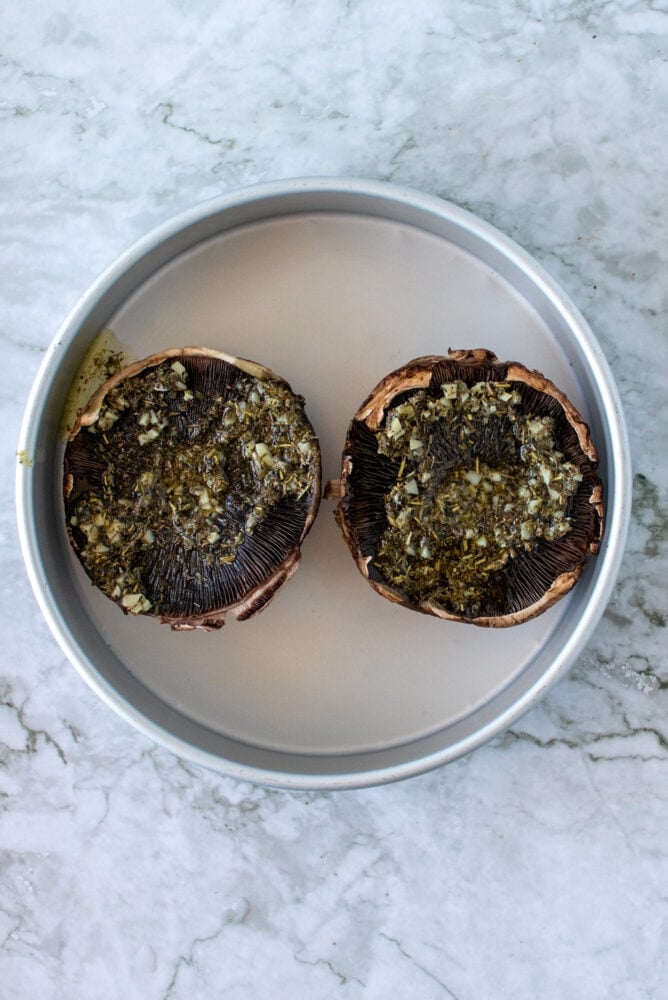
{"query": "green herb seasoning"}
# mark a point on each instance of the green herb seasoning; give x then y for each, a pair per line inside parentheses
(478, 482)
(181, 478)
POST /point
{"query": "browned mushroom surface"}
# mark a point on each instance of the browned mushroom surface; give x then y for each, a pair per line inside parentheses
(191, 479)
(469, 489)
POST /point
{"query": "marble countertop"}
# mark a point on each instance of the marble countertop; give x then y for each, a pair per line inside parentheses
(538, 865)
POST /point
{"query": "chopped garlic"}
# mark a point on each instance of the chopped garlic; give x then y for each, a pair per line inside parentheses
(135, 603)
(148, 436)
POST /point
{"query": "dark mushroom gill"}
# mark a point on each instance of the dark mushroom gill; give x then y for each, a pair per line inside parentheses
(532, 578)
(190, 485)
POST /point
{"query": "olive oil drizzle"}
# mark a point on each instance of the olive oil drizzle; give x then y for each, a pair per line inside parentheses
(478, 482)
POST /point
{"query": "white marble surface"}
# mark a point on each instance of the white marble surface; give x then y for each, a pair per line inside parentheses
(538, 866)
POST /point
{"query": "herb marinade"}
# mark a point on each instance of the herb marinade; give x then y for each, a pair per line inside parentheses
(177, 471)
(478, 481)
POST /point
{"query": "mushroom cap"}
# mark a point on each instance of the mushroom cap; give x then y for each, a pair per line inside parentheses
(532, 581)
(190, 585)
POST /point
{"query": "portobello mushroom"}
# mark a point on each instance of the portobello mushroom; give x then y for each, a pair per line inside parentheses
(469, 489)
(191, 479)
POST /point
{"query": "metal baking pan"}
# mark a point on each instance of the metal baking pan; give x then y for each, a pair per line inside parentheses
(332, 283)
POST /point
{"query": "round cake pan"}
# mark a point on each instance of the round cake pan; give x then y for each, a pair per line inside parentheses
(332, 283)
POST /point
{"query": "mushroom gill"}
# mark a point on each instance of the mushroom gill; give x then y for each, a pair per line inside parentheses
(191, 479)
(469, 489)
